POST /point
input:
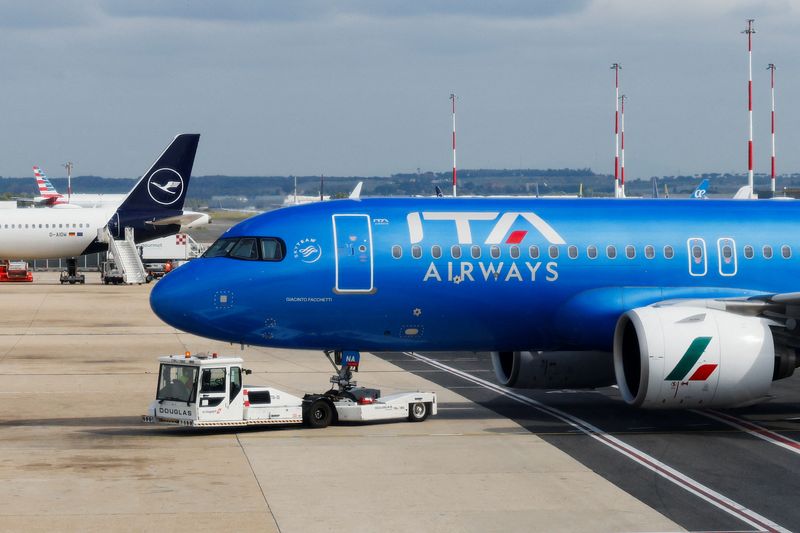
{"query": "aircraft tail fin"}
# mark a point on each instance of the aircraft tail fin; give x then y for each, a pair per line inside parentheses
(743, 193)
(163, 187)
(46, 189)
(701, 190)
(356, 194)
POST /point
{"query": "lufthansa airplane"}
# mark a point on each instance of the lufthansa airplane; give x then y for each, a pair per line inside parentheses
(681, 303)
(153, 208)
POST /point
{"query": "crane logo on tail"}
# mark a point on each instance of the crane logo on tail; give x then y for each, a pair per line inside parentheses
(165, 186)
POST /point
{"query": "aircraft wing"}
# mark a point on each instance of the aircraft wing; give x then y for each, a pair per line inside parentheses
(184, 219)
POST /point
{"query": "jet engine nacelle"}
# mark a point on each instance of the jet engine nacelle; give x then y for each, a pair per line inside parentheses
(687, 357)
(553, 370)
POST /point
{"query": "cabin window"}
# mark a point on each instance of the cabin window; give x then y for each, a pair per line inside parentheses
(553, 252)
(611, 252)
(40, 226)
(766, 251)
(786, 252)
(416, 251)
(591, 251)
(397, 251)
(697, 253)
(533, 251)
(26, 226)
(455, 251)
(572, 252)
(79, 225)
(514, 252)
(748, 252)
(476, 252)
(649, 252)
(61, 225)
(494, 251)
(669, 253)
(630, 252)
(436, 251)
(727, 252)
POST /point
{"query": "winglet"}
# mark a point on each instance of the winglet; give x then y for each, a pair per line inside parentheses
(356, 194)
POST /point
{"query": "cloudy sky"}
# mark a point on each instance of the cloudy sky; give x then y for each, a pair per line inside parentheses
(361, 87)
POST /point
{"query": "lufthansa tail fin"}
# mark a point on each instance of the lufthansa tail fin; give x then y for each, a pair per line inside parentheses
(163, 188)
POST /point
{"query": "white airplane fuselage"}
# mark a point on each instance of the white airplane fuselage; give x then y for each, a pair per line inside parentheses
(49, 233)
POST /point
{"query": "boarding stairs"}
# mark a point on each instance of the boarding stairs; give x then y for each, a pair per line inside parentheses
(126, 256)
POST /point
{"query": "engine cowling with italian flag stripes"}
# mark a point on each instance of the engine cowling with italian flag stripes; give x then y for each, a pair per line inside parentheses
(676, 356)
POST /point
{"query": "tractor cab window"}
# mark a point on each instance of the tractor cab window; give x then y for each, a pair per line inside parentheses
(213, 380)
(236, 382)
(177, 383)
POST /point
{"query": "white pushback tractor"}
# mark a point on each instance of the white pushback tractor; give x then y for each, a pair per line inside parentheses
(208, 391)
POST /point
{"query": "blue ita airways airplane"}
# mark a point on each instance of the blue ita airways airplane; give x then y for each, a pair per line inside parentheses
(681, 303)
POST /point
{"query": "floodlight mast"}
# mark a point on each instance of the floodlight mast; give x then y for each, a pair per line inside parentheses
(622, 99)
(455, 179)
(750, 31)
(68, 165)
(616, 67)
(771, 68)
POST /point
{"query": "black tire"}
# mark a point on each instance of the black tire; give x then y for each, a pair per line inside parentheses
(319, 414)
(417, 412)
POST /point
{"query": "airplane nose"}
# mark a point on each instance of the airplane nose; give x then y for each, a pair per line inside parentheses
(171, 299)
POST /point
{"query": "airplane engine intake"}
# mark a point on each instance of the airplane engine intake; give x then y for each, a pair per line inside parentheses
(688, 357)
(553, 370)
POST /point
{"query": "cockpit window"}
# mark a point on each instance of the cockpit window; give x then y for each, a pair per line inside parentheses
(221, 248)
(245, 249)
(271, 250)
(249, 248)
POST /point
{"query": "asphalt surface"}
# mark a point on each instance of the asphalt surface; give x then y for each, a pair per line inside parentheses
(757, 474)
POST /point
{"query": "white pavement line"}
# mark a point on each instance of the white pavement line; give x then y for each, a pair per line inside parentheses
(651, 463)
(753, 429)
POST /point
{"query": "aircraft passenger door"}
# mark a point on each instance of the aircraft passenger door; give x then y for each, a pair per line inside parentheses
(352, 235)
(698, 265)
(726, 250)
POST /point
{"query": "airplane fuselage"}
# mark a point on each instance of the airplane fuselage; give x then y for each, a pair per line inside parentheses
(478, 274)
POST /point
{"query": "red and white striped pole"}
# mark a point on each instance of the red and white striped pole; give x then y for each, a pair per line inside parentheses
(622, 146)
(750, 31)
(455, 180)
(616, 67)
(771, 68)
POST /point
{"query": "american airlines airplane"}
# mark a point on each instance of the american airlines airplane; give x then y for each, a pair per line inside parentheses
(48, 195)
(682, 304)
(153, 208)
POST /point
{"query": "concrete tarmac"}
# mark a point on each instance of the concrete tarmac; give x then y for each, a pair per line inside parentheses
(78, 368)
